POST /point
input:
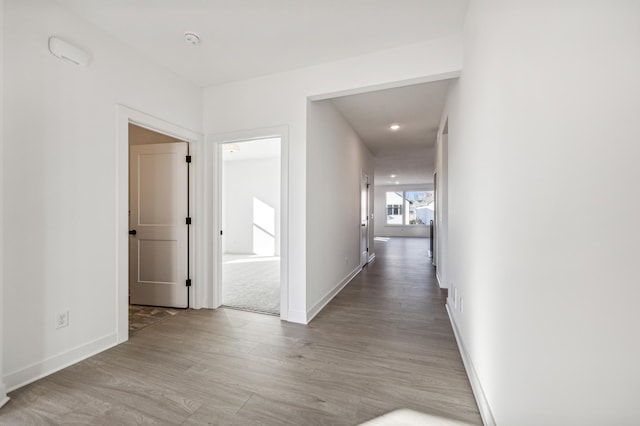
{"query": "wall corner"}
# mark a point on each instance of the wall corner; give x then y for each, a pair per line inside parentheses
(3, 389)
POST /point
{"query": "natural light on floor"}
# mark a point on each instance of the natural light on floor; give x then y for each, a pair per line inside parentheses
(254, 259)
(407, 417)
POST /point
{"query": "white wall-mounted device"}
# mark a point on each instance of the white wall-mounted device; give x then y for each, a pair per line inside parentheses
(68, 52)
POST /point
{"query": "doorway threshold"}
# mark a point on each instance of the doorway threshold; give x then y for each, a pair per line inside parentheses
(240, 308)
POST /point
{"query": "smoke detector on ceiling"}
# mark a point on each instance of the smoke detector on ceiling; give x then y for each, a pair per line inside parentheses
(191, 38)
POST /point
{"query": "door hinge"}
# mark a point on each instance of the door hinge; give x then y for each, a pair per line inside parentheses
(188, 282)
(188, 221)
(367, 249)
(221, 232)
(188, 158)
(367, 185)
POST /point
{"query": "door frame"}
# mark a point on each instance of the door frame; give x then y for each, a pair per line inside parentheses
(126, 115)
(364, 180)
(213, 210)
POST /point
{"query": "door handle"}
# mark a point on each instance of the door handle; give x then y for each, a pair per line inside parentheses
(132, 232)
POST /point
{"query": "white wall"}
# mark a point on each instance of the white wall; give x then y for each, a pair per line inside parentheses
(3, 393)
(545, 123)
(336, 158)
(381, 229)
(242, 181)
(60, 182)
(281, 99)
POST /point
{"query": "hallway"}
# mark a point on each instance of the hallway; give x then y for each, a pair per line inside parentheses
(384, 342)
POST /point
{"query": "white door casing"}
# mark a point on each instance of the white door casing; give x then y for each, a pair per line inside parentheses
(213, 212)
(158, 210)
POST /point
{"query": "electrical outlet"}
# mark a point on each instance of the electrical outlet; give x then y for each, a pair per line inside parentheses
(62, 319)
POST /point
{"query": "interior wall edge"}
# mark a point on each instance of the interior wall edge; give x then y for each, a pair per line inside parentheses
(298, 317)
(3, 389)
(390, 85)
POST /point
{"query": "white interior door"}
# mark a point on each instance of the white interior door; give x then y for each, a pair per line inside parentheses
(364, 220)
(158, 203)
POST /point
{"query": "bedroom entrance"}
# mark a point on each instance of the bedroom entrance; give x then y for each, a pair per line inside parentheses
(251, 220)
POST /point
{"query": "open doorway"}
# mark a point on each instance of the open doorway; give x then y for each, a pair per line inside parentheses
(251, 220)
(159, 219)
(365, 217)
(197, 293)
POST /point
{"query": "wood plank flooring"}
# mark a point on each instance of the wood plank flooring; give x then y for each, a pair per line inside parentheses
(383, 343)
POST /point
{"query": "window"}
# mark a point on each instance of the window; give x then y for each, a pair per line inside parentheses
(409, 207)
(394, 209)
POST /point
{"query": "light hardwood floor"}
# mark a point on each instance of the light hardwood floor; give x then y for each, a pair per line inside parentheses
(383, 343)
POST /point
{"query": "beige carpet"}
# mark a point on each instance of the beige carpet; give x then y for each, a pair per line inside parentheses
(251, 282)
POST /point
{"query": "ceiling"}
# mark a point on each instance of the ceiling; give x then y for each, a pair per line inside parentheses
(252, 150)
(407, 166)
(248, 38)
(408, 152)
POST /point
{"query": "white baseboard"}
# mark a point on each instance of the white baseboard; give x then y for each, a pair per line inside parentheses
(315, 309)
(55, 363)
(372, 257)
(476, 386)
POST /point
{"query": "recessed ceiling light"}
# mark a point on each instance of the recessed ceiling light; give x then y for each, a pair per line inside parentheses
(397, 183)
(394, 127)
(392, 176)
(191, 38)
(230, 147)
